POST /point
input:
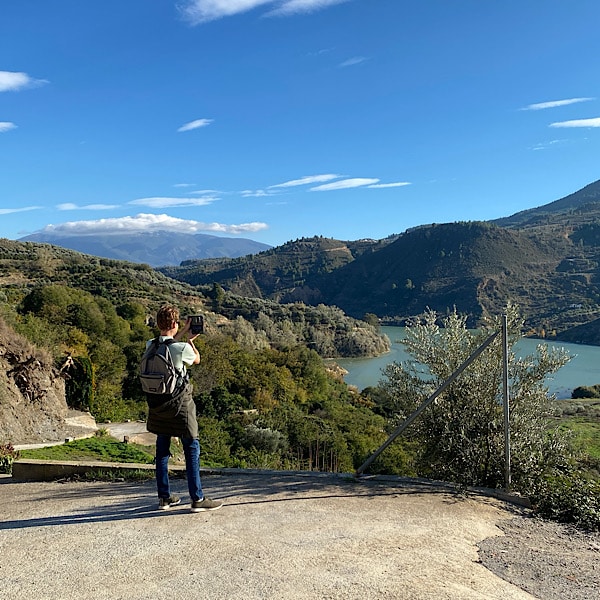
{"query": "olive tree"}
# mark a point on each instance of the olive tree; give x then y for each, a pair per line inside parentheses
(460, 436)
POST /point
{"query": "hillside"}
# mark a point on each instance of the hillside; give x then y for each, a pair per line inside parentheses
(284, 274)
(545, 259)
(33, 406)
(583, 200)
(476, 267)
(473, 266)
(130, 287)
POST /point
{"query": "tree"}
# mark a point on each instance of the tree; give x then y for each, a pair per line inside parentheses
(372, 320)
(217, 295)
(79, 385)
(460, 435)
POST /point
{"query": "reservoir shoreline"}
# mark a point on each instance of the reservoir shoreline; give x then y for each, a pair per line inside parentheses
(583, 368)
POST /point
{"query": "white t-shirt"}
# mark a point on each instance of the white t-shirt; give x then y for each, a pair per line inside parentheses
(181, 352)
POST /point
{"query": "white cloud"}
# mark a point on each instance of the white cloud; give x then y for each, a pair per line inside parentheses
(345, 184)
(71, 206)
(356, 60)
(12, 82)
(184, 185)
(195, 124)
(147, 222)
(6, 126)
(202, 11)
(255, 193)
(306, 180)
(546, 145)
(293, 7)
(556, 103)
(211, 192)
(172, 202)
(8, 211)
(595, 122)
(390, 185)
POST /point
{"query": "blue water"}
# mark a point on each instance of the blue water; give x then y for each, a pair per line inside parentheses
(583, 369)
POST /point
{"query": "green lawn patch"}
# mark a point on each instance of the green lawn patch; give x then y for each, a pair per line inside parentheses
(586, 434)
(95, 448)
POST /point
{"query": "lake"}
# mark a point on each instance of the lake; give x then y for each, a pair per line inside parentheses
(583, 369)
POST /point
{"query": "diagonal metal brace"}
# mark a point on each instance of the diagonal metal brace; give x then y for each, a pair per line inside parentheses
(426, 403)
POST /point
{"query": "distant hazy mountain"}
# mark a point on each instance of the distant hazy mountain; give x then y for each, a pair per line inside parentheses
(157, 249)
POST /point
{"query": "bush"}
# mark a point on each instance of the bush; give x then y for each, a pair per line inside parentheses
(586, 391)
(569, 498)
(8, 455)
(460, 436)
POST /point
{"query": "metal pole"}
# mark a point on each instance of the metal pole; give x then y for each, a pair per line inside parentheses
(425, 404)
(506, 403)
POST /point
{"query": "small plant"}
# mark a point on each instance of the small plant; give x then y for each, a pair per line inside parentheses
(8, 455)
(572, 498)
(113, 475)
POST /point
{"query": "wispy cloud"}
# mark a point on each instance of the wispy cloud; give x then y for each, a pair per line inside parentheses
(196, 124)
(72, 206)
(8, 211)
(345, 184)
(211, 193)
(146, 222)
(556, 103)
(202, 11)
(356, 60)
(294, 7)
(306, 180)
(595, 122)
(256, 193)
(546, 145)
(11, 81)
(162, 202)
(390, 185)
(6, 126)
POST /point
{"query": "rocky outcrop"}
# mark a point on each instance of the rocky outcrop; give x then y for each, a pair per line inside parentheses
(33, 408)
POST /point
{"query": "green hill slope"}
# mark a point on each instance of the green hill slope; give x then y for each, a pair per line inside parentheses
(27, 265)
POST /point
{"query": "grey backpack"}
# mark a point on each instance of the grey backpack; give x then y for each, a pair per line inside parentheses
(158, 374)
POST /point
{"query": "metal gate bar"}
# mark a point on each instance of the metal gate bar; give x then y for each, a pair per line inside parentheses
(440, 389)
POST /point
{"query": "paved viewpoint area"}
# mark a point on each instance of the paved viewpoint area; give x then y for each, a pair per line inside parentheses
(278, 536)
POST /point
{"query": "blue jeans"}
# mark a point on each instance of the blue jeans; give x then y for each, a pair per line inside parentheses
(191, 449)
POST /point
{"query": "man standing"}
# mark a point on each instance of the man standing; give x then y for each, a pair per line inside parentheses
(176, 416)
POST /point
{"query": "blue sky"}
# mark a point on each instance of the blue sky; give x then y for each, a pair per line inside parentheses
(279, 119)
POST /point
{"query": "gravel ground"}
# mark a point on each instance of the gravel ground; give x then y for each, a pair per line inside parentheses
(549, 560)
(285, 536)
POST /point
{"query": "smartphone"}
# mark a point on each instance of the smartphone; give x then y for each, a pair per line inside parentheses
(197, 324)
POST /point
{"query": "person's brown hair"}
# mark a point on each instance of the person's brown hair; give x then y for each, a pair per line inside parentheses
(166, 316)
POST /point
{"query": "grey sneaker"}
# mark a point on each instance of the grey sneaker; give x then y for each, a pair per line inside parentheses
(205, 504)
(166, 503)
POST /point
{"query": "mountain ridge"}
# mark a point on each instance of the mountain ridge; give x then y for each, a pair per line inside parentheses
(545, 259)
(155, 248)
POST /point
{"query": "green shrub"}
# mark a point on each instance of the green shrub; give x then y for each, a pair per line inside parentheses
(7, 456)
(112, 475)
(569, 498)
(586, 391)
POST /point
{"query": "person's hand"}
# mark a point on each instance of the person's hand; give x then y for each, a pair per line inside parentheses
(186, 330)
